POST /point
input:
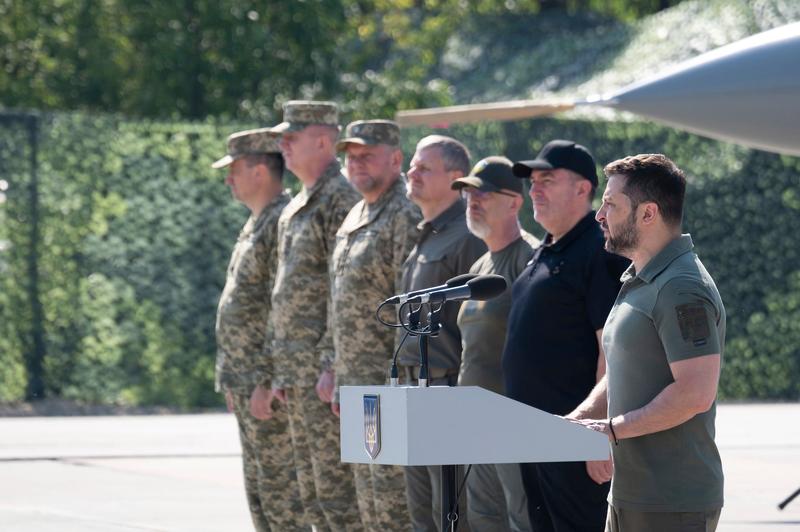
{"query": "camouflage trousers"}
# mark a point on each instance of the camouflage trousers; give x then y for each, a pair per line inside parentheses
(381, 492)
(270, 480)
(315, 433)
(496, 499)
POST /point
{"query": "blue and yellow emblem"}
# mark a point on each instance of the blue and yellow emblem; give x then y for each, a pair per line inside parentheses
(372, 425)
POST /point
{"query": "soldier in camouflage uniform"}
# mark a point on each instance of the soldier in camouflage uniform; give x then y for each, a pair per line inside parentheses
(302, 346)
(255, 170)
(371, 246)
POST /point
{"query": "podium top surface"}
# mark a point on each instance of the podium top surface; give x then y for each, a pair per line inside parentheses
(456, 425)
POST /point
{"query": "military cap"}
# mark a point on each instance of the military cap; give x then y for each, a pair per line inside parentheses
(299, 114)
(370, 133)
(250, 142)
(491, 174)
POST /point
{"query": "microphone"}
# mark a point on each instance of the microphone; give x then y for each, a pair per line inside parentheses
(480, 288)
(458, 280)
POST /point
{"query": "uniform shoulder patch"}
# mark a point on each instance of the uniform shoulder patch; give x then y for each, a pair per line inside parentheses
(693, 322)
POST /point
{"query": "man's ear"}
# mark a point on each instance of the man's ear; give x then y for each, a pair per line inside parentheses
(584, 188)
(649, 212)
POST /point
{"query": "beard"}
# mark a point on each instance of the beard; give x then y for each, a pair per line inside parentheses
(478, 228)
(626, 238)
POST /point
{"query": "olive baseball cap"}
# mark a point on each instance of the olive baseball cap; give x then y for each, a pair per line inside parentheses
(560, 154)
(299, 114)
(491, 174)
(370, 133)
(249, 142)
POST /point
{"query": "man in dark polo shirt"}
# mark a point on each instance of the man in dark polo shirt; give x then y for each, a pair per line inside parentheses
(445, 249)
(552, 357)
(663, 340)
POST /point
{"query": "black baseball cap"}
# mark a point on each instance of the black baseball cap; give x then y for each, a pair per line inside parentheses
(490, 175)
(560, 154)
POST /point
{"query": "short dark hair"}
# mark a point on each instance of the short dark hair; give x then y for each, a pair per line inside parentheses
(273, 161)
(652, 177)
(455, 155)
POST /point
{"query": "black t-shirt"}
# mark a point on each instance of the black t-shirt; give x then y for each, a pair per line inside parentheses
(558, 302)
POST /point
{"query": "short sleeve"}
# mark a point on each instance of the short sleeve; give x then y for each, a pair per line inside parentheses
(685, 317)
(604, 283)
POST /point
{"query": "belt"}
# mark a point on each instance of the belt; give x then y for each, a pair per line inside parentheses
(411, 373)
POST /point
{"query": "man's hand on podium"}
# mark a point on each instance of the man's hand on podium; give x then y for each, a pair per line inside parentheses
(599, 471)
(335, 409)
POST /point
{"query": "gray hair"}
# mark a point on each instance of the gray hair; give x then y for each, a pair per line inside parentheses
(454, 154)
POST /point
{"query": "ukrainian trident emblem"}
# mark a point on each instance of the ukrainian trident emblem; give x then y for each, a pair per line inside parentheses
(372, 425)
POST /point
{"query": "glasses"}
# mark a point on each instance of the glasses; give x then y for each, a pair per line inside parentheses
(468, 192)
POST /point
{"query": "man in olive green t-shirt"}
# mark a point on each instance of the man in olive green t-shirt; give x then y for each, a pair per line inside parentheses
(496, 500)
(663, 340)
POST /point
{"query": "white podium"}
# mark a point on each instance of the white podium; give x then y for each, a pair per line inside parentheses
(449, 426)
(443, 425)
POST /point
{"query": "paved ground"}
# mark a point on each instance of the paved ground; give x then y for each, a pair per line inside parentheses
(181, 473)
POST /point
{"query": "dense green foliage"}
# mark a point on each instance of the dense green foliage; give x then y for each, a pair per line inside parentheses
(135, 231)
(225, 57)
(135, 235)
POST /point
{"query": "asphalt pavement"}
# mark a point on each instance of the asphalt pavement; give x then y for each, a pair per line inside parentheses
(183, 473)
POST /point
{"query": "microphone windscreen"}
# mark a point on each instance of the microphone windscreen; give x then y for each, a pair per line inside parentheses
(486, 287)
(460, 280)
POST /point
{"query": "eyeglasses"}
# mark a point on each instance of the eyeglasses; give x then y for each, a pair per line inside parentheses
(468, 192)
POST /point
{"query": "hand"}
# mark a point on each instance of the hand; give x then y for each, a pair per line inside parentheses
(279, 394)
(335, 409)
(325, 386)
(261, 403)
(229, 400)
(597, 425)
(600, 471)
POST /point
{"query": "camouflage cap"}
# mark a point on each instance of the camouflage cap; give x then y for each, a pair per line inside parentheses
(299, 114)
(370, 133)
(250, 142)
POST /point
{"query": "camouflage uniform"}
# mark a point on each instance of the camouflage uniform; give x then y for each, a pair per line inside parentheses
(371, 246)
(302, 345)
(270, 480)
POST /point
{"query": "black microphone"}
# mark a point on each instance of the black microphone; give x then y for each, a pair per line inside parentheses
(458, 280)
(480, 289)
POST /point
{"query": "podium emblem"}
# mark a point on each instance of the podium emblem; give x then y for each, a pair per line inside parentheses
(372, 425)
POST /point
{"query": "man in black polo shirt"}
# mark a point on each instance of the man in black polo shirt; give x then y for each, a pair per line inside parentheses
(552, 357)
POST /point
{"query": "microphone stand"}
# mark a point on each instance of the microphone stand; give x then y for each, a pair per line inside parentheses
(449, 495)
(434, 324)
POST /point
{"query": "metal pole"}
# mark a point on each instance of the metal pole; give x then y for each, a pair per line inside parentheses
(35, 359)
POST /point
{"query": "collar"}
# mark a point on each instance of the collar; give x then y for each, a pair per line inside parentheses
(369, 212)
(586, 223)
(680, 246)
(330, 171)
(451, 213)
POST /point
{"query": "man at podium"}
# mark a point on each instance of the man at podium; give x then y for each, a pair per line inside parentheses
(664, 340)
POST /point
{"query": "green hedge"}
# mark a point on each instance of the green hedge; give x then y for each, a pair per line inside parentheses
(136, 228)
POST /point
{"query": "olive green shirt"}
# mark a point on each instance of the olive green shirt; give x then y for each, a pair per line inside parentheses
(371, 245)
(670, 311)
(241, 328)
(446, 248)
(483, 323)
